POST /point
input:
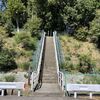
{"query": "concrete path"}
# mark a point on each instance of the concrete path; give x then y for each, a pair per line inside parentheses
(40, 98)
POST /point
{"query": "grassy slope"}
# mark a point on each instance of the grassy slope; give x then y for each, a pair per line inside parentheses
(22, 56)
(73, 47)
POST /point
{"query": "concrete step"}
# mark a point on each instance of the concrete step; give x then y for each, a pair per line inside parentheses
(48, 94)
(49, 88)
(49, 76)
(50, 81)
(50, 72)
(50, 68)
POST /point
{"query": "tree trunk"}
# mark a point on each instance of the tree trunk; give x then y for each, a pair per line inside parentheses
(17, 25)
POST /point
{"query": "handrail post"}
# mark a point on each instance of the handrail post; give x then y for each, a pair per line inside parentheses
(32, 82)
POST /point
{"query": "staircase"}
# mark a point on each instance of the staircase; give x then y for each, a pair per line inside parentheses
(49, 85)
(49, 67)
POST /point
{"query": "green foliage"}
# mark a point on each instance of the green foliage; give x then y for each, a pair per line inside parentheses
(79, 13)
(26, 40)
(9, 28)
(86, 65)
(68, 64)
(86, 9)
(82, 33)
(16, 11)
(90, 79)
(31, 8)
(54, 14)
(70, 15)
(9, 78)
(7, 61)
(79, 56)
(14, 6)
(3, 35)
(2, 32)
(24, 66)
(98, 4)
(95, 29)
(33, 25)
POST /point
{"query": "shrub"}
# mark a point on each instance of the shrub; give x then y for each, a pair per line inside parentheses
(86, 64)
(2, 36)
(82, 33)
(9, 78)
(9, 27)
(24, 66)
(27, 41)
(7, 61)
(90, 79)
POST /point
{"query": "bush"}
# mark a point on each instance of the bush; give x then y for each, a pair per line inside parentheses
(10, 78)
(82, 34)
(2, 36)
(86, 64)
(90, 79)
(26, 40)
(69, 65)
(7, 61)
(9, 27)
(24, 66)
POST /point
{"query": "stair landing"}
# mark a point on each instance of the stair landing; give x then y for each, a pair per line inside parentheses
(49, 90)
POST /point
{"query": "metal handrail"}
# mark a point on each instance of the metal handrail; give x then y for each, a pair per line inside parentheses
(59, 60)
(38, 55)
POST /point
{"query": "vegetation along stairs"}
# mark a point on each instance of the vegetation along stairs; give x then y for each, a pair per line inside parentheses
(49, 85)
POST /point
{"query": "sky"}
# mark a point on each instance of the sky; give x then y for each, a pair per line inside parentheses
(1, 8)
(0, 4)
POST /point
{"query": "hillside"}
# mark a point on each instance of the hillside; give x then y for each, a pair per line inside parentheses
(80, 56)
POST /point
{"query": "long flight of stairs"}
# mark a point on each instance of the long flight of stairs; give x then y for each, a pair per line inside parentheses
(49, 85)
(49, 70)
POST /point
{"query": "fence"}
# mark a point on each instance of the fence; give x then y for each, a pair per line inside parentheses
(37, 59)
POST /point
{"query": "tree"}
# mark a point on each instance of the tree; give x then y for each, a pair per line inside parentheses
(56, 22)
(31, 8)
(42, 10)
(17, 12)
(86, 10)
(33, 24)
(25, 2)
(95, 29)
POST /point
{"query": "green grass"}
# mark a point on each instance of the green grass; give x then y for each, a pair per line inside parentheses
(79, 56)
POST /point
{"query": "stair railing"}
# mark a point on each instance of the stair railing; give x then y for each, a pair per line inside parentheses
(59, 60)
(37, 62)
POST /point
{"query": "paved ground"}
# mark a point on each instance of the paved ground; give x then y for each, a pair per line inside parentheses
(37, 98)
(42, 98)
